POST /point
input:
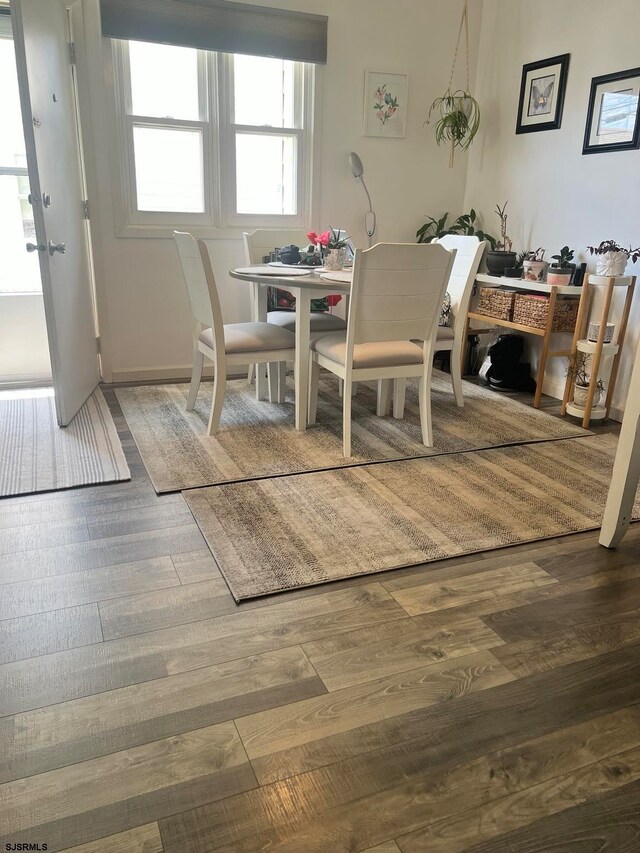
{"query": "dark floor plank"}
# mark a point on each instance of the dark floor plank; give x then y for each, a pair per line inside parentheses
(117, 663)
(63, 734)
(42, 534)
(45, 633)
(165, 608)
(142, 519)
(330, 810)
(372, 653)
(611, 823)
(73, 588)
(120, 791)
(550, 651)
(580, 608)
(98, 553)
(271, 736)
(142, 839)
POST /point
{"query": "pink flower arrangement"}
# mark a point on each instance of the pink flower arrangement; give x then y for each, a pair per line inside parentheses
(328, 239)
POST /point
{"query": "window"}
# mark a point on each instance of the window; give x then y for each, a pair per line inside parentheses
(19, 270)
(212, 139)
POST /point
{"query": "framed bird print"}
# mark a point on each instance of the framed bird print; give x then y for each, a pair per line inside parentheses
(542, 94)
(613, 117)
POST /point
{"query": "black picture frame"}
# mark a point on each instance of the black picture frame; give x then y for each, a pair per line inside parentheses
(597, 93)
(532, 108)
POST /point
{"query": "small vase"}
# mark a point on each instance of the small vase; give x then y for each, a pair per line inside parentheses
(535, 270)
(594, 332)
(580, 394)
(560, 277)
(335, 259)
(497, 261)
(611, 263)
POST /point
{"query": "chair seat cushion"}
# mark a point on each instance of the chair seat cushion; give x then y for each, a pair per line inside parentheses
(379, 354)
(320, 322)
(251, 337)
(445, 333)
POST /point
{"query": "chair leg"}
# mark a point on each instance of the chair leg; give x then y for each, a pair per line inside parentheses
(340, 387)
(219, 384)
(261, 381)
(272, 380)
(346, 420)
(282, 381)
(455, 367)
(251, 373)
(399, 391)
(314, 380)
(425, 407)
(196, 378)
(384, 397)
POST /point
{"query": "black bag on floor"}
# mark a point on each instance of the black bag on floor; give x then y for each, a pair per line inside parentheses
(506, 372)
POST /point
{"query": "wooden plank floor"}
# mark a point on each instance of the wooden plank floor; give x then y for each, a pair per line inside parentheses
(487, 703)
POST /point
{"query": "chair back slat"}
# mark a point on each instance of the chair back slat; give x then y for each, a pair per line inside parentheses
(201, 287)
(262, 241)
(469, 251)
(397, 292)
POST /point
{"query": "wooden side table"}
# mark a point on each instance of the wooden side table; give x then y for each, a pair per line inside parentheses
(599, 350)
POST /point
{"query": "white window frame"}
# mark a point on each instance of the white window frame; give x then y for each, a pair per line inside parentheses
(216, 123)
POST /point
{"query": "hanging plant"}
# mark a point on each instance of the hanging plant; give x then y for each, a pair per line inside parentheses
(458, 110)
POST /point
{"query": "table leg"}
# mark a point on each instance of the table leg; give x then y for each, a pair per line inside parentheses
(303, 322)
(260, 316)
(545, 349)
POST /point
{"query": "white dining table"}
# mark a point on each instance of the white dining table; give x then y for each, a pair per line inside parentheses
(314, 285)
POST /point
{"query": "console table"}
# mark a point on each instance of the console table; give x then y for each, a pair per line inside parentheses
(581, 293)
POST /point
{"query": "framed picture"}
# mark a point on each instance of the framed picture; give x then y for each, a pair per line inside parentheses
(613, 116)
(385, 104)
(542, 94)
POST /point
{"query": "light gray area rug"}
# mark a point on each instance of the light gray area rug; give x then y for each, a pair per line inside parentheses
(258, 439)
(38, 456)
(289, 532)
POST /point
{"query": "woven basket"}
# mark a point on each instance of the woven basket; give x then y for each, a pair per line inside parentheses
(496, 302)
(532, 309)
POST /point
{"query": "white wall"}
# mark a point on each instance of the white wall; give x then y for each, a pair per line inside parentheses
(144, 321)
(556, 195)
(24, 353)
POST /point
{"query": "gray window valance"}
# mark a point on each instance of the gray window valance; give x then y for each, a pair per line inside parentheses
(219, 25)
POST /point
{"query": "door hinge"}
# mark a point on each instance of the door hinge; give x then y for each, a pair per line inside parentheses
(98, 345)
(85, 208)
(72, 52)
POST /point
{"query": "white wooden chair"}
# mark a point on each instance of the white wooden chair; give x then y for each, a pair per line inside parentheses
(469, 251)
(396, 296)
(234, 343)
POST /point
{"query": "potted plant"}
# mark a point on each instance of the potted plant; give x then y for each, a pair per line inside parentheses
(501, 257)
(612, 259)
(465, 225)
(534, 265)
(577, 370)
(332, 248)
(458, 122)
(560, 273)
(516, 270)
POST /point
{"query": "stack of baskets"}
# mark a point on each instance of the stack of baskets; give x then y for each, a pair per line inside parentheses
(496, 302)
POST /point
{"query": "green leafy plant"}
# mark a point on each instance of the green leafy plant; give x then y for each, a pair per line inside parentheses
(563, 259)
(612, 246)
(521, 257)
(458, 122)
(465, 224)
(505, 243)
(535, 254)
(577, 370)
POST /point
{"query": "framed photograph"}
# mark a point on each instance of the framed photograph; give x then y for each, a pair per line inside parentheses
(613, 116)
(542, 94)
(385, 104)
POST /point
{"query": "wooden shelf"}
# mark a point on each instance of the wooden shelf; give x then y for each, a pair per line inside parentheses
(533, 286)
(518, 327)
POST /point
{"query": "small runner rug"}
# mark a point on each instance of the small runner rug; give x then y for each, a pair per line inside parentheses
(258, 439)
(288, 532)
(38, 456)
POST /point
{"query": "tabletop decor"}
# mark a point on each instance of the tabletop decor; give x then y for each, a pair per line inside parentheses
(457, 111)
(563, 269)
(542, 91)
(332, 247)
(385, 104)
(501, 256)
(613, 114)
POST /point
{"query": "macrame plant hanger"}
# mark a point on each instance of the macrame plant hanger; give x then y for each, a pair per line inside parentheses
(464, 23)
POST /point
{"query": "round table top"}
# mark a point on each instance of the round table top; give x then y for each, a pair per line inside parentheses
(275, 277)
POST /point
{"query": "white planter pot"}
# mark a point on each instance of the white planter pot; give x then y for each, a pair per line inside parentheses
(594, 331)
(534, 270)
(611, 263)
(580, 394)
(335, 259)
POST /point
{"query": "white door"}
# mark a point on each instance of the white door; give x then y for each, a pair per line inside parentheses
(53, 160)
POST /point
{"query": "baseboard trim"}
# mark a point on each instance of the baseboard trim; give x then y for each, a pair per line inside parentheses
(171, 373)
